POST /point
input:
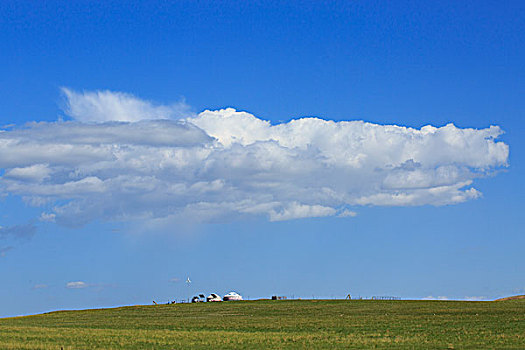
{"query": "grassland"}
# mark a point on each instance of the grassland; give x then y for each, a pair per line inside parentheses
(297, 324)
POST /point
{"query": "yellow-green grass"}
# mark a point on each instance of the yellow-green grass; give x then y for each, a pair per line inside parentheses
(294, 324)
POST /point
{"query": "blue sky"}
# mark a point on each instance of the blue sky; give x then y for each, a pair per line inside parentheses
(77, 66)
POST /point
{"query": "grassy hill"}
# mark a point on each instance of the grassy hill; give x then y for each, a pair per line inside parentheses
(293, 324)
(514, 297)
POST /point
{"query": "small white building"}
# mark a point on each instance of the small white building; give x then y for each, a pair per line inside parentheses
(232, 296)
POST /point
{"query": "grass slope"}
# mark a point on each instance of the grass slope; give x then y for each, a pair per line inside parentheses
(515, 297)
(294, 324)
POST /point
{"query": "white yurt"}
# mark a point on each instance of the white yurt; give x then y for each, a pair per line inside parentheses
(232, 296)
(213, 297)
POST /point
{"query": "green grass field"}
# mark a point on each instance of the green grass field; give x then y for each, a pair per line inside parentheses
(294, 324)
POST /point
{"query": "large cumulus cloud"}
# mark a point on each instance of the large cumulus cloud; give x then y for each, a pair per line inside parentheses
(122, 158)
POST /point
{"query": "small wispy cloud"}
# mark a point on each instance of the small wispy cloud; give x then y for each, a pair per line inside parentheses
(15, 234)
(91, 286)
(47, 217)
(4, 250)
(103, 106)
(467, 298)
(475, 298)
(175, 280)
(347, 213)
(299, 211)
(40, 286)
(77, 285)
(26, 231)
(430, 297)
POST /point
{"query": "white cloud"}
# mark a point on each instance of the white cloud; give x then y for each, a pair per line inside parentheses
(76, 285)
(118, 161)
(36, 172)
